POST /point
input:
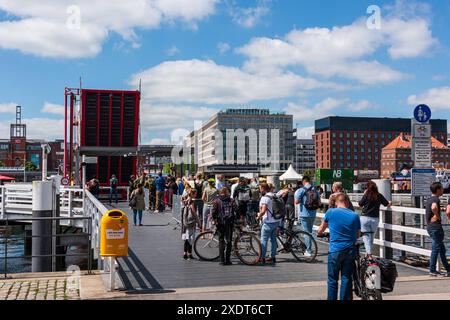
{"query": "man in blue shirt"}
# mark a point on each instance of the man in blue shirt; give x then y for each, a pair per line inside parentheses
(160, 187)
(345, 228)
(306, 217)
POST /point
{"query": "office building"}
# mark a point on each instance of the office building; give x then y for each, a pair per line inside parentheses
(17, 150)
(304, 154)
(244, 141)
(356, 142)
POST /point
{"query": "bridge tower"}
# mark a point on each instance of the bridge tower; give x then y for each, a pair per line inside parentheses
(18, 141)
(103, 128)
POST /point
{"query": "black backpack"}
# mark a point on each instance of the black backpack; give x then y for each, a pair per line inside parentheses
(278, 207)
(226, 211)
(312, 201)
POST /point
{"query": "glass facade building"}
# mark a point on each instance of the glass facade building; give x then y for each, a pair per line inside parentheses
(245, 140)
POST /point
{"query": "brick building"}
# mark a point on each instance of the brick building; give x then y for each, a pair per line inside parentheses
(356, 142)
(396, 156)
(18, 149)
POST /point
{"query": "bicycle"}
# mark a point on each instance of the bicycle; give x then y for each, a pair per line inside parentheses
(246, 246)
(290, 241)
(366, 279)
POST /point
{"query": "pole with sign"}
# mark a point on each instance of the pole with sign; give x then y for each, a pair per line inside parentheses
(423, 173)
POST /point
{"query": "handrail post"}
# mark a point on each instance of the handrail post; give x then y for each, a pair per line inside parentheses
(388, 233)
(112, 273)
(3, 204)
(403, 223)
(69, 205)
(381, 236)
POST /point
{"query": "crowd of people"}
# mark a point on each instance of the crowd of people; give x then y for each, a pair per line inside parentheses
(224, 204)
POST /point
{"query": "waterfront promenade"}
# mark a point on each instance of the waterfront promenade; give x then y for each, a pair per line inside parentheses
(155, 270)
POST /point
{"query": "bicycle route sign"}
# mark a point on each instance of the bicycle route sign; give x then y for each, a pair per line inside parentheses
(421, 148)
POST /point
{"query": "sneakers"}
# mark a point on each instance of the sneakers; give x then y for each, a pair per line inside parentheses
(435, 274)
(185, 257)
(307, 254)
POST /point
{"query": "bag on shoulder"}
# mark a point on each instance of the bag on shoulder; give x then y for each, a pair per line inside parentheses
(256, 195)
(312, 199)
(133, 201)
(189, 218)
(278, 207)
(244, 195)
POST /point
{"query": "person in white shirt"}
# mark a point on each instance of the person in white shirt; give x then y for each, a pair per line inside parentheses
(233, 187)
(270, 225)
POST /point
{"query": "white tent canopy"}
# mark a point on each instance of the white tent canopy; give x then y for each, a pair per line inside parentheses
(291, 175)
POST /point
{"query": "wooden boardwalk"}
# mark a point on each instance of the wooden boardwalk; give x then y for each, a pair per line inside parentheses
(155, 263)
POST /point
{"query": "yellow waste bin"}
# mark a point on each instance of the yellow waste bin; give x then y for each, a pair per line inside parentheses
(114, 234)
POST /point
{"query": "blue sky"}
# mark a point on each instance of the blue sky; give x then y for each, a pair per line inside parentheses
(308, 58)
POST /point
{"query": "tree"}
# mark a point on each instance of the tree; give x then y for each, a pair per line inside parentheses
(30, 166)
(310, 173)
(166, 168)
(1, 164)
(193, 167)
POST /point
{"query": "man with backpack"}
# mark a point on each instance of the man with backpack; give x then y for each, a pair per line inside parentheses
(113, 182)
(271, 212)
(242, 195)
(223, 212)
(345, 229)
(308, 200)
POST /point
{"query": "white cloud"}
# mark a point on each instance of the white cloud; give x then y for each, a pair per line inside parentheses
(171, 117)
(439, 77)
(8, 107)
(436, 98)
(37, 128)
(345, 52)
(322, 109)
(198, 81)
(53, 109)
(172, 51)
(361, 105)
(40, 28)
(223, 47)
(249, 17)
(158, 141)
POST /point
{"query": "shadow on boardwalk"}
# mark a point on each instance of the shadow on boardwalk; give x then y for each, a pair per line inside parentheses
(155, 264)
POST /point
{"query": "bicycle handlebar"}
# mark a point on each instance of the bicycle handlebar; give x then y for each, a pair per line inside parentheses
(327, 234)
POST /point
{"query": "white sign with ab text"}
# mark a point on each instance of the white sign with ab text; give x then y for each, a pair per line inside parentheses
(421, 149)
(421, 181)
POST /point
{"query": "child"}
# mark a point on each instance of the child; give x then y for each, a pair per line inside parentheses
(190, 220)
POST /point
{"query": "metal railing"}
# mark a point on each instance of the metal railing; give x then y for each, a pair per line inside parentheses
(55, 236)
(94, 209)
(177, 208)
(401, 199)
(402, 228)
(18, 199)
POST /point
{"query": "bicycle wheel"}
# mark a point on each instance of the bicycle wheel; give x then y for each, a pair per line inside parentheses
(247, 248)
(299, 246)
(206, 246)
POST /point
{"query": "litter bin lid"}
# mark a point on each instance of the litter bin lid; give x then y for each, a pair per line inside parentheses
(115, 214)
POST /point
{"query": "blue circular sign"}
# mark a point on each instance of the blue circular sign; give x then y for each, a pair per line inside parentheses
(422, 113)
